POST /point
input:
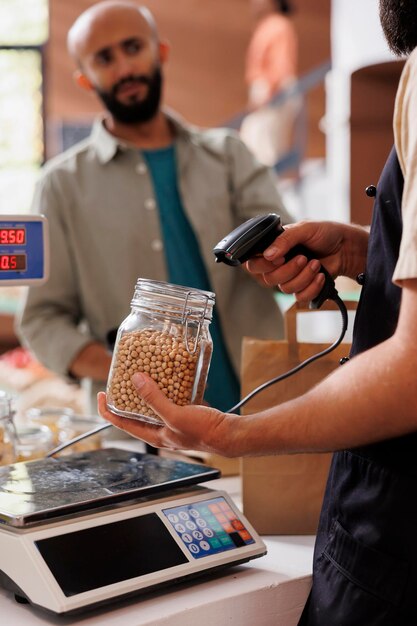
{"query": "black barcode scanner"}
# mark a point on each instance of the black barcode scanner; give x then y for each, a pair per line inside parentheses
(253, 237)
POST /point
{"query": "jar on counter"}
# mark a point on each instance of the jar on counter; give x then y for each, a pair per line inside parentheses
(6, 429)
(166, 336)
(49, 416)
(71, 426)
(32, 442)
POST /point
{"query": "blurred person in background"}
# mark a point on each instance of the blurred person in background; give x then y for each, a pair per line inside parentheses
(271, 66)
(146, 195)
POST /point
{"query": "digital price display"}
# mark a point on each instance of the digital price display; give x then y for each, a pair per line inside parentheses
(12, 262)
(13, 236)
(24, 250)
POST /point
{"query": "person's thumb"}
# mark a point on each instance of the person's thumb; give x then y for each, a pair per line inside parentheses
(282, 244)
(149, 391)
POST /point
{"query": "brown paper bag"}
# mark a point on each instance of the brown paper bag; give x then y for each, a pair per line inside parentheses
(282, 495)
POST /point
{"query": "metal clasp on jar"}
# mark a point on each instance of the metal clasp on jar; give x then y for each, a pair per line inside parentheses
(185, 319)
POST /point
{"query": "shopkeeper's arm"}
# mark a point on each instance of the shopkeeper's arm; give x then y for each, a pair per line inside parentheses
(369, 399)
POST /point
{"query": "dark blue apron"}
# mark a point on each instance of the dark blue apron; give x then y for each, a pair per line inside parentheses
(365, 561)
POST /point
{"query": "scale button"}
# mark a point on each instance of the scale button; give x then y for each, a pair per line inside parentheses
(194, 548)
(201, 522)
(194, 513)
(237, 525)
(204, 511)
(208, 532)
(183, 515)
(187, 538)
(179, 528)
(198, 535)
(215, 543)
(228, 528)
(205, 545)
(225, 539)
(173, 518)
(190, 525)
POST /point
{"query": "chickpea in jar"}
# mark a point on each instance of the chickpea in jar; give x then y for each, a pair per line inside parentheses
(167, 359)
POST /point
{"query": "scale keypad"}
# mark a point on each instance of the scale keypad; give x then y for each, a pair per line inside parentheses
(208, 527)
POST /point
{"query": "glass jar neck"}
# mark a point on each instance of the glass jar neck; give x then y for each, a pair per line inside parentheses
(185, 304)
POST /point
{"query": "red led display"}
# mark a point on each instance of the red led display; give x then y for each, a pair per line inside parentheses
(12, 262)
(13, 236)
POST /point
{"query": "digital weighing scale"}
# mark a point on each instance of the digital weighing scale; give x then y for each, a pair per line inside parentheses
(24, 258)
(82, 530)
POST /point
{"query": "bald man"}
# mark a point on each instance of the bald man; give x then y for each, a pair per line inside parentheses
(145, 195)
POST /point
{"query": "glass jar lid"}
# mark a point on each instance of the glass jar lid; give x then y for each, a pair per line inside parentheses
(39, 413)
(186, 303)
(33, 438)
(82, 423)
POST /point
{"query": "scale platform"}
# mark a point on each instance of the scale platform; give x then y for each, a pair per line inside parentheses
(82, 530)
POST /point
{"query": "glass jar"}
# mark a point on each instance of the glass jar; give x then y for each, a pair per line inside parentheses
(166, 336)
(49, 416)
(6, 429)
(71, 426)
(32, 442)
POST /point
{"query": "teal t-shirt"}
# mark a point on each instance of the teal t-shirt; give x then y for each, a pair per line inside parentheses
(186, 267)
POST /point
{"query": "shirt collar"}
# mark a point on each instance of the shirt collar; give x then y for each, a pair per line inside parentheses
(107, 145)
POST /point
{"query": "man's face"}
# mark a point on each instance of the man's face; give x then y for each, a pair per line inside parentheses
(399, 23)
(120, 59)
(135, 110)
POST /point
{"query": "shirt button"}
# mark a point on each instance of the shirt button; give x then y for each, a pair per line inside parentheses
(141, 168)
(371, 191)
(157, 245)
(150, 204)
(360, 278)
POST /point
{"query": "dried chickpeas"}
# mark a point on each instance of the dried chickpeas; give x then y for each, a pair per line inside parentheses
(166, 359)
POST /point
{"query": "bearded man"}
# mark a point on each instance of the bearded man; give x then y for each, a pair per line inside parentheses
(146, 195)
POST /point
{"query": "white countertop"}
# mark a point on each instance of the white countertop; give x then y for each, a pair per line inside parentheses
(269, 591)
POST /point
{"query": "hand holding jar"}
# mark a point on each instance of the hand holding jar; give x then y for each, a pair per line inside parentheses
(166, 336)
(180, 428)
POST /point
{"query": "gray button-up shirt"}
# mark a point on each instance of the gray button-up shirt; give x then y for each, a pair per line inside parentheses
(105, 233)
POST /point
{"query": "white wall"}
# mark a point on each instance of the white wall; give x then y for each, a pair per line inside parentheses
(357, 41)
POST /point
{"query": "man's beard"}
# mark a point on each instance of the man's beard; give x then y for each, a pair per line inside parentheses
(399, 23)
(137, 112)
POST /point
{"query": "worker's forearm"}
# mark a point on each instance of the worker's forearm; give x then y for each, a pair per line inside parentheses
(369, 399)
(93, 361)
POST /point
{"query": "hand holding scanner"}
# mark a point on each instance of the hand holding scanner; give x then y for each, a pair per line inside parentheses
(253, 237)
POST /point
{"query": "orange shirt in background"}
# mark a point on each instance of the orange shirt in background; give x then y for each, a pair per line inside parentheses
(272, 53)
